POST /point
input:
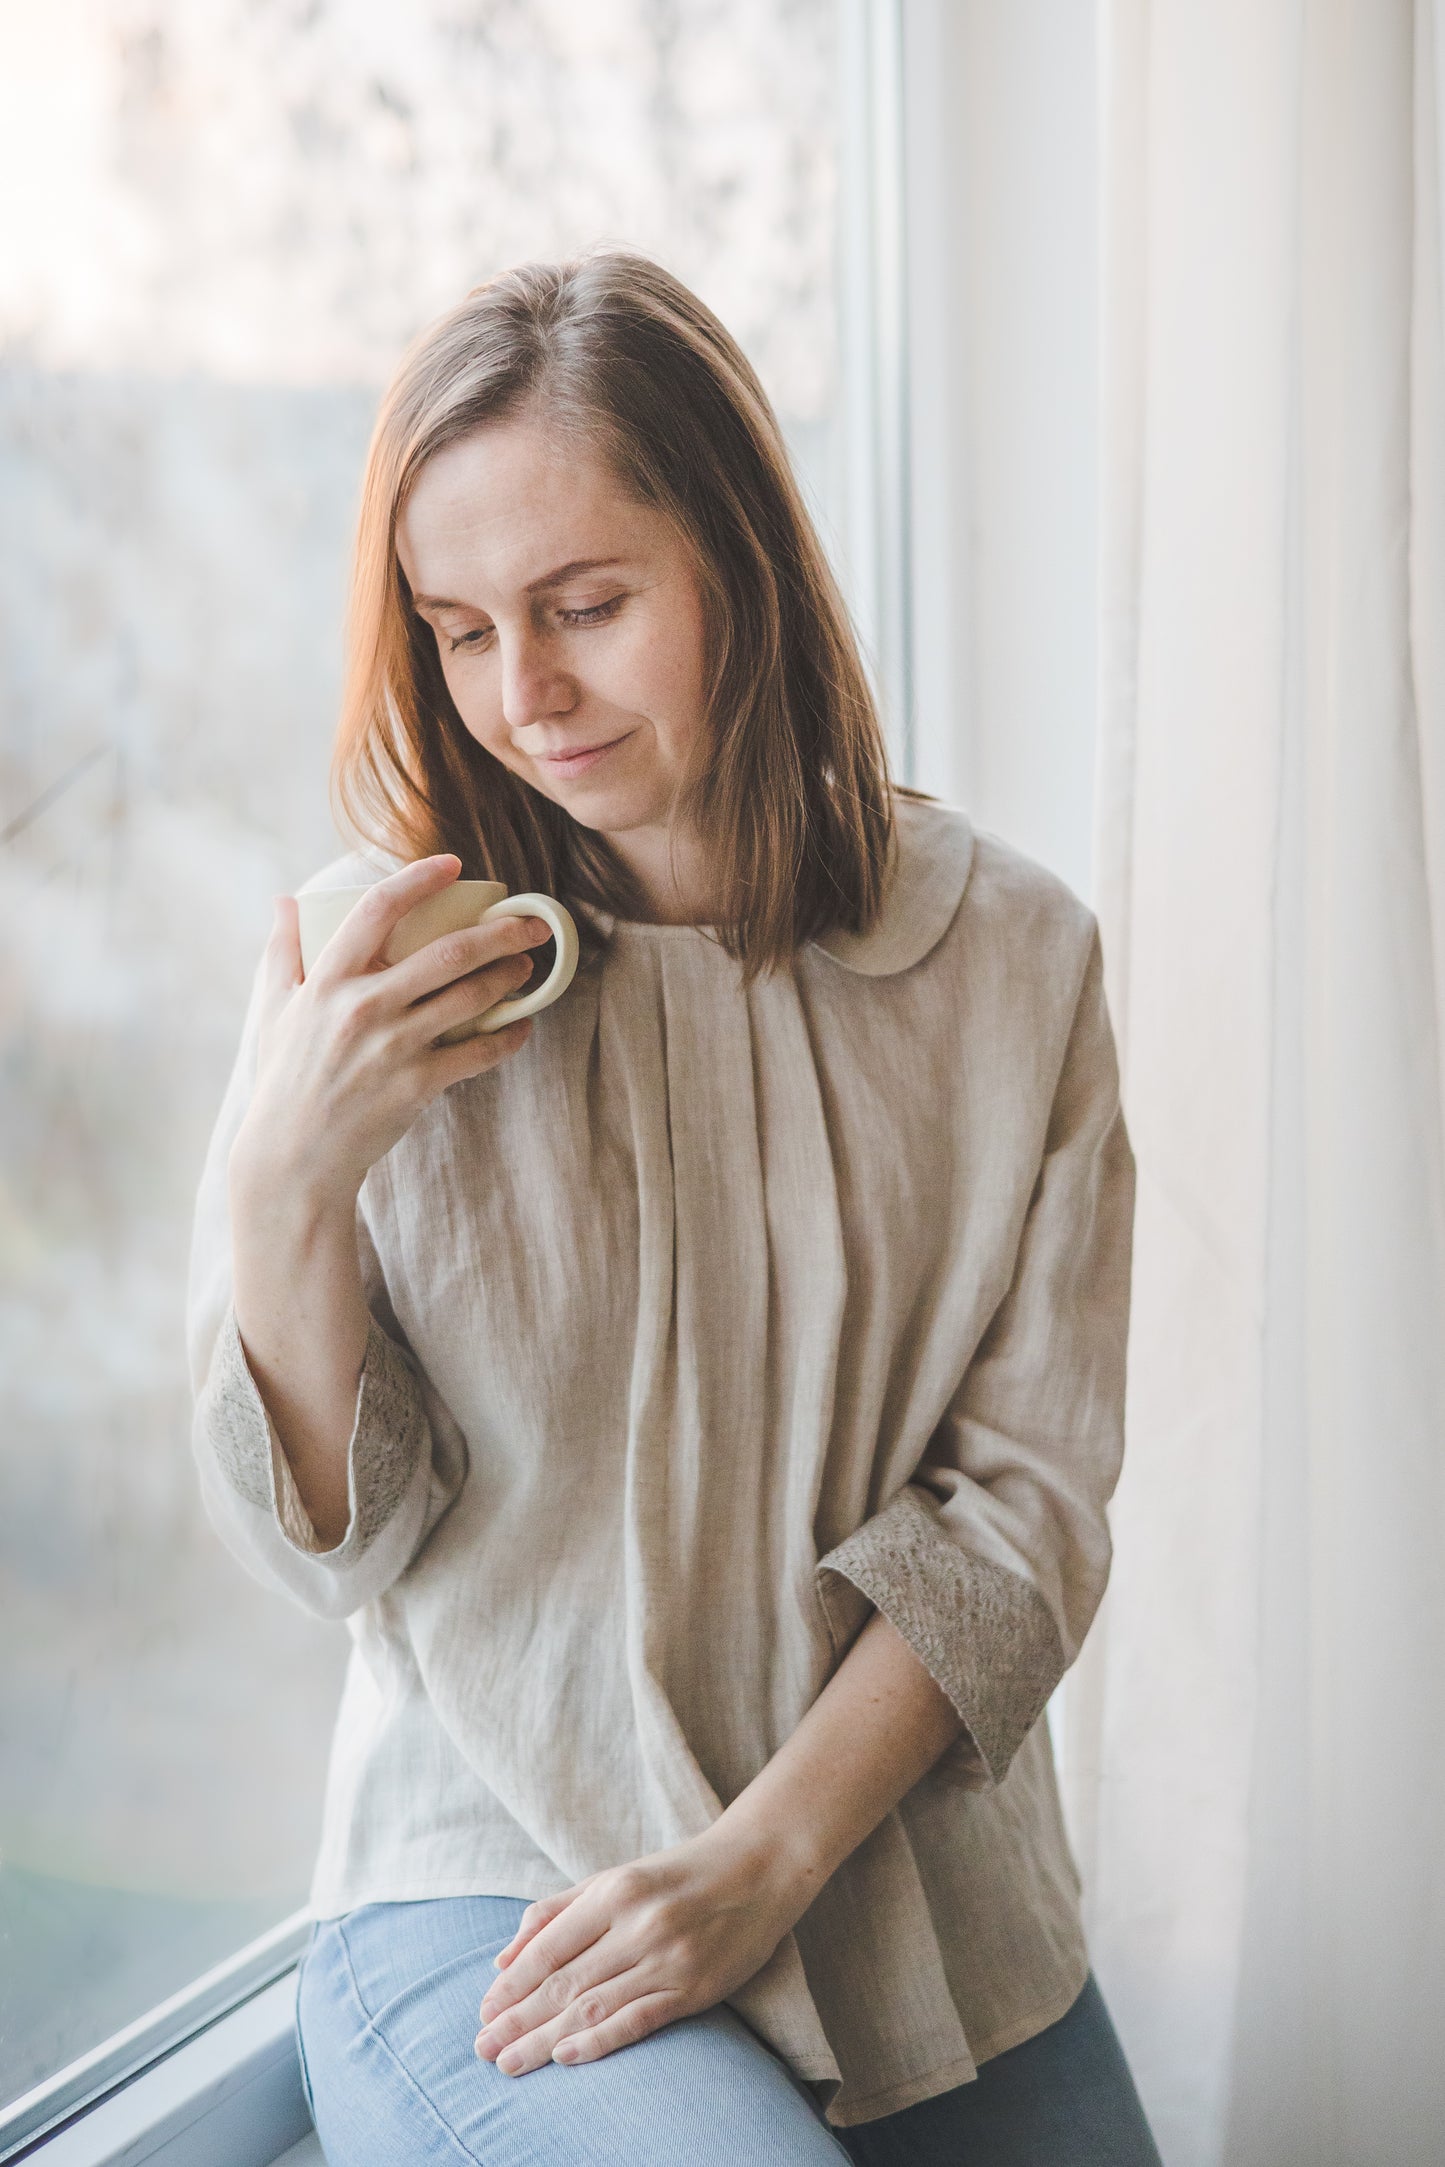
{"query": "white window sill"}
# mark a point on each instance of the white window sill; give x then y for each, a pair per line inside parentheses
(230, 2097)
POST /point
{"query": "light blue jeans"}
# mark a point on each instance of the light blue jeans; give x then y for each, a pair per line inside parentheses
(387, 2010)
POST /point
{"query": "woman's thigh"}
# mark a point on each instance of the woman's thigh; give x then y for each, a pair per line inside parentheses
(1064, 2098)
(388, 2010)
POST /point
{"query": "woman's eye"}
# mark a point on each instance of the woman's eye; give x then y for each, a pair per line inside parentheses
(598, 614)
(469, 639)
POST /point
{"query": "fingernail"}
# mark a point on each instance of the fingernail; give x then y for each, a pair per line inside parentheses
(539, 929)
(511, 2061)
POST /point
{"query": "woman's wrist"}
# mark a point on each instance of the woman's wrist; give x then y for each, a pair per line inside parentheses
(877, 1726)
(775, 1847)
(291, 1195)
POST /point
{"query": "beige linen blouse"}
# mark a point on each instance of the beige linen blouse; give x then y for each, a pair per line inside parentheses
(708, 1321)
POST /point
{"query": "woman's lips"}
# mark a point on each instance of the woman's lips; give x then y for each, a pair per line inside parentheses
(577, 763)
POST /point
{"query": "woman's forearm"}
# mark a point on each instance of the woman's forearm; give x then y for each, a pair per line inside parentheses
(346, 1059)
(877, 1726)
(302, 1314)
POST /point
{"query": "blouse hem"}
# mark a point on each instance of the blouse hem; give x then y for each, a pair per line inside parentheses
(339, 1904)
(892, 2099)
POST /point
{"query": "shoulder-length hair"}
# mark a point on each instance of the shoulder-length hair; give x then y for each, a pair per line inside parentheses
(790, 787)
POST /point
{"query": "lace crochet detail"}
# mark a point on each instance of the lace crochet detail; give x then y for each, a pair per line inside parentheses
(389, 1436)
(234, 1420)
(983, 1633)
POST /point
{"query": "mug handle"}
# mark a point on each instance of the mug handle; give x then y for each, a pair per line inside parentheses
(558, 979)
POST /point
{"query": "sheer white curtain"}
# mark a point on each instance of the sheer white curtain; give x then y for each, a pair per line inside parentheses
(1256, 1730)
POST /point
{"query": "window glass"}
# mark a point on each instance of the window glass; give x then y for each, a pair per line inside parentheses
(223, 220)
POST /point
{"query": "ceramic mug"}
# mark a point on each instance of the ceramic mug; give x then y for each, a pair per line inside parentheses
(464, 903)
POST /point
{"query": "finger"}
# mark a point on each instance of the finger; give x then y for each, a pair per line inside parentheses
(546, 1908)
(474, 1056)
(369, 925)
(469, 948)
(558, 1941)
(508, 2014)
(636, 2020)
(595, 1985)
(583, 2014)
(281, 963)
(466, 998)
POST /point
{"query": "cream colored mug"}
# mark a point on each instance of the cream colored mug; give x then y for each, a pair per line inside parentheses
(465, 903)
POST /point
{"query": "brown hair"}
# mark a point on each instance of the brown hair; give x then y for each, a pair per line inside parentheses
(791, 787)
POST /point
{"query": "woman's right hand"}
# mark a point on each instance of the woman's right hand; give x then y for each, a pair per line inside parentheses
(347, 1058)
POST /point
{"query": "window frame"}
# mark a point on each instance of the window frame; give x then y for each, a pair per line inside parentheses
(176, 2064)
(232, 2092)
(876, 387)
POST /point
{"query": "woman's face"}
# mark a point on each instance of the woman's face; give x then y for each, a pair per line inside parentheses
(569, 623)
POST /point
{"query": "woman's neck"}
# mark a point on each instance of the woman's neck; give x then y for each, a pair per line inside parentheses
(673, 872)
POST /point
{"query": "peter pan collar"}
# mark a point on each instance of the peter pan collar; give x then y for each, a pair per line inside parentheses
(927, 874)
(926, 878)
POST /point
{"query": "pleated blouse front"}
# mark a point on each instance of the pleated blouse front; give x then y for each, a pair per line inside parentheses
(713, 1318)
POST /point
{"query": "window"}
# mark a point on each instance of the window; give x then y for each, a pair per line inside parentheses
(223, 223)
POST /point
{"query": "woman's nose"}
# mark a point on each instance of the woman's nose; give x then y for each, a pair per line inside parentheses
(533, 687)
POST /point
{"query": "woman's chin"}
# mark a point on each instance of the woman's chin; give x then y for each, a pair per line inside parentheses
(609, 808)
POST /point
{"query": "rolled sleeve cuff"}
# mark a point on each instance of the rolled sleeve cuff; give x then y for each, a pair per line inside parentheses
(984, 1634)
(389, 1435)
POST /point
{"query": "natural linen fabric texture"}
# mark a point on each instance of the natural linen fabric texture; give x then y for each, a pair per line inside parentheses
(705, 1322)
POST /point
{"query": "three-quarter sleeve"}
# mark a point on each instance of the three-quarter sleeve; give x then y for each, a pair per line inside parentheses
(406, 1460)
(992, 1559)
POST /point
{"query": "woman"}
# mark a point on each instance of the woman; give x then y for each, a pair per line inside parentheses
(701, 1399)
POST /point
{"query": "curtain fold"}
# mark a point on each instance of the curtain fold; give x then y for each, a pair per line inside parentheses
(1255, 1756)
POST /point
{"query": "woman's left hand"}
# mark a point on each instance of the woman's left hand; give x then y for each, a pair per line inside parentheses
(624, 1952)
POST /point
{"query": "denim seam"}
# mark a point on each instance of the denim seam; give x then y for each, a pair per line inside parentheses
(301, 2060)
(296, 2024)
(396, 2061)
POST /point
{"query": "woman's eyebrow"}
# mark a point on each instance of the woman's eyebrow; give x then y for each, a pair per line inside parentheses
(439, 601)
(564, 572)
(557, 578)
